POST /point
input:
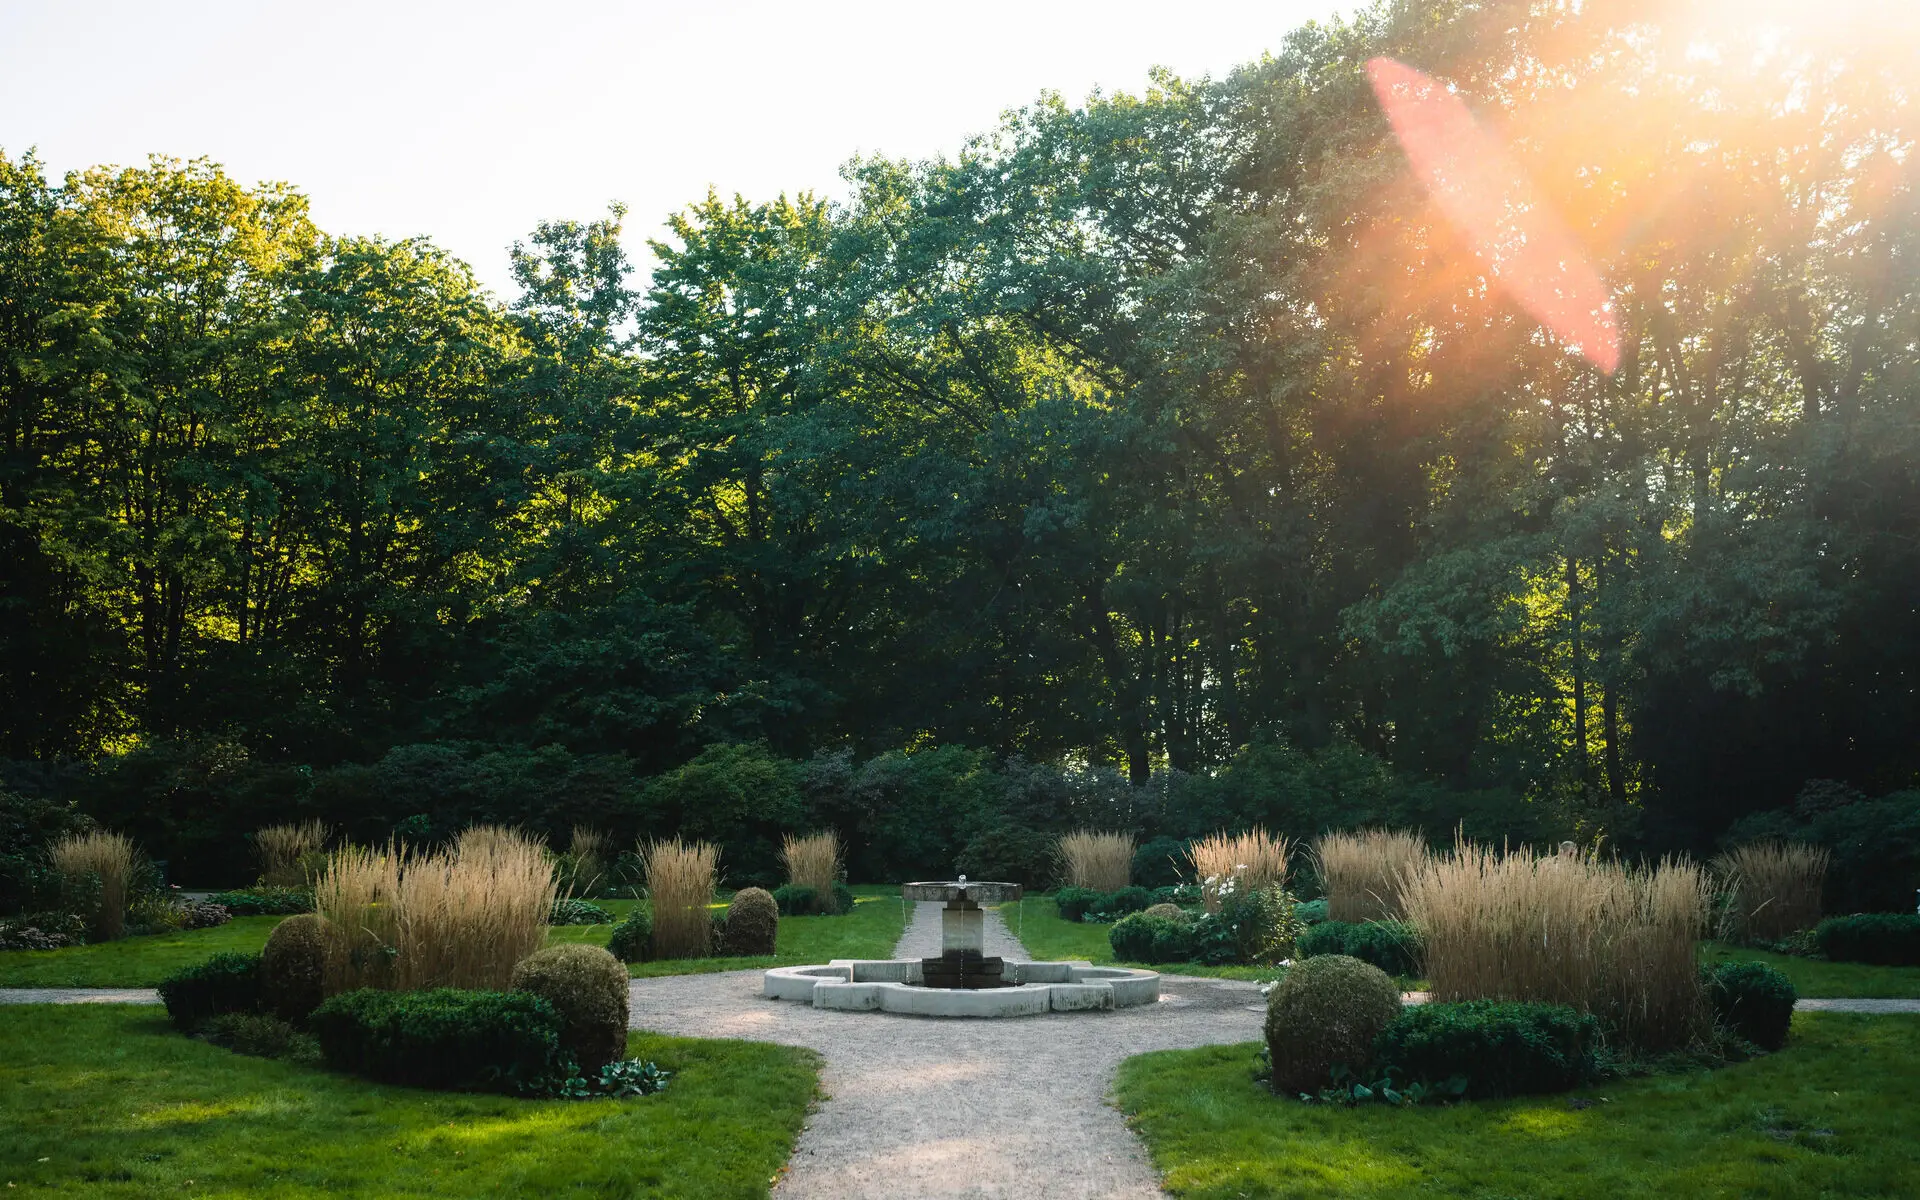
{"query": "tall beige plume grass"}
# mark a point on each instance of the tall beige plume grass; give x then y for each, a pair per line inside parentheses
(1363, 871)
(592, 855)
(1772, 888)
(287, 853)
(358, 892)
(1567, 928)
(681, 877)
(460, 917)
(109, 857)
(467, 917)
(813, 862)
(1254, 858)
(1091, 859)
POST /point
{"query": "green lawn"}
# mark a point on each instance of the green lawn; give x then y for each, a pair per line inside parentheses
(108, 1101)
(1832, 1115)
(1817, 977)
(870, 931)
(131, 962)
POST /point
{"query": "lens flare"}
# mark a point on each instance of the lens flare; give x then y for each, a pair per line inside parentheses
(1485, 195)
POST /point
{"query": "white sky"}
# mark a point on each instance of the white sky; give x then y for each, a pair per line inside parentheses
(470, 122)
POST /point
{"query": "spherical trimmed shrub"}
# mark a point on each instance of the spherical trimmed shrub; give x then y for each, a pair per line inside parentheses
(1326, 1010)
(587, 986)
(753, 921)
(1171, 912)
(631, 937)
(292, 966)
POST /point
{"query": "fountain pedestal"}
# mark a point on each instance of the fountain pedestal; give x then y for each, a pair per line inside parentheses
(963, 962)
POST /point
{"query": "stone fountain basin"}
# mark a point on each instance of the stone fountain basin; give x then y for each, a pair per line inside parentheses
(892, 985)
(945, 891)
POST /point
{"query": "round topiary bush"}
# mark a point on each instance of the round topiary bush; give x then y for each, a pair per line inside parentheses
(1326, 1010)
(587, 986)
(1170, 912)
(631, 937)
(753, 921)
(292, 966)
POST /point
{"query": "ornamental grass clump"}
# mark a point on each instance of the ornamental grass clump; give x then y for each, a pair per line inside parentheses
(357, 891)
(590, 859)
(108, 858)
(1772, 888)
(1226, 861)
(681, 877)
(289, 854)
(1102, 862)
(813, 862)
(1567, 928)
(1362, 871)
(466, 917)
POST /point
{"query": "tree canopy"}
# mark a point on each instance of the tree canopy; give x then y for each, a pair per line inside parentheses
(1140, 432)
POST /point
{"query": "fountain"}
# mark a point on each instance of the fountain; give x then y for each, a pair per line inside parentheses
(964, 981)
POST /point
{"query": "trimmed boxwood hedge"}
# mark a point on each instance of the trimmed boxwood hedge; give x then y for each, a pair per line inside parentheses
(447, 1038)
(1392, 946)
(225, 983)
(1500, 1047)
(1754, 1000)
(1882, 939)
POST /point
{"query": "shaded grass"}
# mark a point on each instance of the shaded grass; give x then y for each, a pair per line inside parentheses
(132, 962)
(870, 931)
(119, 1105)
(1829, 1116)
(1816, 977)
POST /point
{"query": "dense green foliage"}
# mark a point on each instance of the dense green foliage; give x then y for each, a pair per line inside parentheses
(1392, 946)
(293, 967)
(1884, 939)
(631, 938)
(587, 987)
(1875, 843)
(443, 1038)
(1324, 1013)
(1170, 435)
(1831, 1116)
(225, 983)
(752, 924)
(1501, 1048)
(105, 1101)
(1754, 1001)
(579, 912)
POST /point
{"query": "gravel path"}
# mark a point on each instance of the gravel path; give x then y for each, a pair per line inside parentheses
(79, 996)
(919, 1106)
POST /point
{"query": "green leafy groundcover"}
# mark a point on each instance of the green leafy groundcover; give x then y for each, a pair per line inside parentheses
(1831, 1115)
(119, 1105)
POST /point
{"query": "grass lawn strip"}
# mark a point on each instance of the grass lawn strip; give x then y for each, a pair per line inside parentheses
(119, 1105)
(1830, 1115)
